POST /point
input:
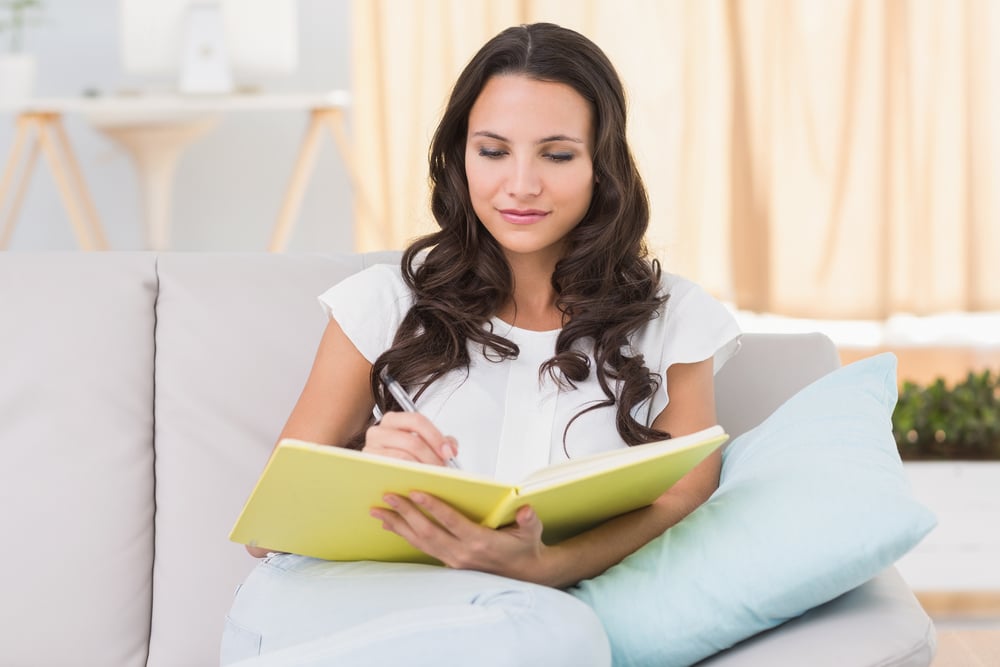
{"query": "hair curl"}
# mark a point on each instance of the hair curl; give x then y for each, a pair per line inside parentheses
(606, 286)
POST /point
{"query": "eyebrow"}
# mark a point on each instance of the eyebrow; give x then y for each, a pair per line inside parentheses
(544, 140)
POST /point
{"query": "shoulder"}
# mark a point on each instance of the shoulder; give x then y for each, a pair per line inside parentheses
(369, 306)
(381, 282)
(690, 326)
(679, 289)
(686, 299)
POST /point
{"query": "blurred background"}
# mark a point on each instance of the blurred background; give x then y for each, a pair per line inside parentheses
(820, 165)
(807, 160)
(229, 183)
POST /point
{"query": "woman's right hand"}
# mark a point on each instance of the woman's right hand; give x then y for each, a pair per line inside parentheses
(410, 436)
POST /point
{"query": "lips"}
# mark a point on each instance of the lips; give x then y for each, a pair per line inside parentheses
(526, 216)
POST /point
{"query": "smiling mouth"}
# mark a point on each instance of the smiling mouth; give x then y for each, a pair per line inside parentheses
(522, 216)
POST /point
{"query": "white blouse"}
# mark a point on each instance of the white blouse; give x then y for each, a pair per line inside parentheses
(508, 420)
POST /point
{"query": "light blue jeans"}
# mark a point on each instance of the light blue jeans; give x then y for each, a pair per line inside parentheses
(294, 610)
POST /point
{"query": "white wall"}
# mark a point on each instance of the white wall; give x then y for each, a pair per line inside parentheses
(229, 184)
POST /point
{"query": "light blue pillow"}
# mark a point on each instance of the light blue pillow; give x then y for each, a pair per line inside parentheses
(812, 503)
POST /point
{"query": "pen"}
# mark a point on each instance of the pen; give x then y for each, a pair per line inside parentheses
(408, 405)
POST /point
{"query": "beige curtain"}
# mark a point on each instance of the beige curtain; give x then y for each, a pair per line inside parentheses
(813, 158)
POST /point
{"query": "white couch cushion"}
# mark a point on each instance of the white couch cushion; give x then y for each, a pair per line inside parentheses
(76, 482)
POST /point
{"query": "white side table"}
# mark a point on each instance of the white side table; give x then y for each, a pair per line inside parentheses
(155, 129)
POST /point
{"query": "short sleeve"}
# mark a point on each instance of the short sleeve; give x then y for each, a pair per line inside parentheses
(369, 306)
(693, 326)
(696, 326)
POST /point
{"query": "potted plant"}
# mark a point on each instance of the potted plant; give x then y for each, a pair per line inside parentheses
(937, 422)
(17, 69)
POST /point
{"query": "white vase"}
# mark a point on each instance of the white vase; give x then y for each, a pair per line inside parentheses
(17, 78)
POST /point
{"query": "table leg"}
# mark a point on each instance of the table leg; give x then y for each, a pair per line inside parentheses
(78, 184)
(334, 119)
(300, 178)
(77, 217)
(25, 125)
(51, 140)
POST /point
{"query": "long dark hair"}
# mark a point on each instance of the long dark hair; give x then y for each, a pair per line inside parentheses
(606, 286)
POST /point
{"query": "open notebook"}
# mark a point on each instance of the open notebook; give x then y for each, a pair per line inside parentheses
(314, 499)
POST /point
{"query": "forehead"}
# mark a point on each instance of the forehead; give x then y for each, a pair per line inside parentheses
(519, 107)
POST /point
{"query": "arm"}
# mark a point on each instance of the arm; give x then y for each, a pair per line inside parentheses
(518, 552)
(336, 402)
(691, 408)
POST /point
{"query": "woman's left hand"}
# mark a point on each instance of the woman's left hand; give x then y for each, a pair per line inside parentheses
(515, 551)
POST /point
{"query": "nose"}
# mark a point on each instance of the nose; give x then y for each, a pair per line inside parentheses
(523, 179)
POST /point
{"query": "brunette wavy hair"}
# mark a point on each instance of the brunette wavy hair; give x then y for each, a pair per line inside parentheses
(606, 286)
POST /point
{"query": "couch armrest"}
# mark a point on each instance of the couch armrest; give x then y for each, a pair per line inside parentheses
(767, 371)
(878, 624)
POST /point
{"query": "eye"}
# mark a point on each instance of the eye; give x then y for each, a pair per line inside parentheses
(492, 153)
(558, 157)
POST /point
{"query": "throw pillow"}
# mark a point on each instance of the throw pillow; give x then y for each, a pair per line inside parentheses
(812, 503)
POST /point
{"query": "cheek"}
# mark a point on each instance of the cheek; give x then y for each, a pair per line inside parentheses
(480, 180)
(478, 196)
(580, 188)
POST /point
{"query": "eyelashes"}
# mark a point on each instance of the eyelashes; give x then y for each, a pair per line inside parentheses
(496, 154)
(491, 153)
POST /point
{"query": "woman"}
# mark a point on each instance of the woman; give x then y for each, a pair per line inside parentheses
(530, 328)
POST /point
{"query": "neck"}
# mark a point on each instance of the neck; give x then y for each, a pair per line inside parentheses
(533, 303)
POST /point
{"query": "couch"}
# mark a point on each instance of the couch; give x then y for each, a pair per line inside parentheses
(140, 395)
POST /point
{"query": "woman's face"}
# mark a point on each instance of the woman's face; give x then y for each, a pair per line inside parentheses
(528, 159)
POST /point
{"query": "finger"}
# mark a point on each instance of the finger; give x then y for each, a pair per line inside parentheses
(409, 522)
(414, 422)
(457, 541)
(453, 521)
(449, 449)
(461, 543)
(399, 444)
(443, 448)
(528, 522)
(394, 523)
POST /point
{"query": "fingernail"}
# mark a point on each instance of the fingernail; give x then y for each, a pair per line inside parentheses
(391, 501)
(448, 451)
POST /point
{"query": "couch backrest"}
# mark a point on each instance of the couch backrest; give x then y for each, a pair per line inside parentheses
(235, 338)
(76, 458)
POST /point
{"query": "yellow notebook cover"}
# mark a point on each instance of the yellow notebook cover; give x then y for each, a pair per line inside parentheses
(314, 499)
